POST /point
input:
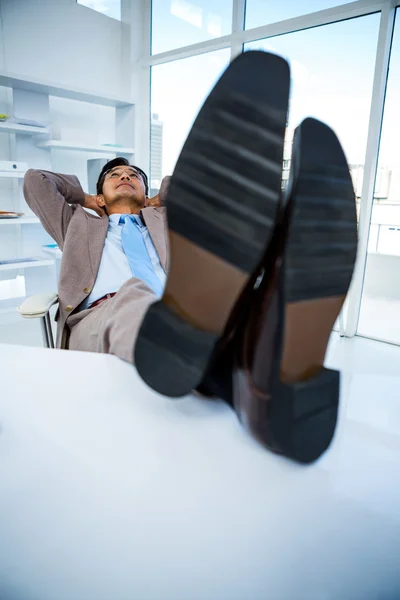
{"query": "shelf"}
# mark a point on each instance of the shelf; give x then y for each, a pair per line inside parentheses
(11, 305)
(6, 127)
(60, 145)
(45, 87)
(12, 174)
(8, 311)
(26, 265)
(20, 221)
(55, 252)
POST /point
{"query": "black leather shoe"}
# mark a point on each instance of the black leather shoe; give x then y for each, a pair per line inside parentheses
(272, 369)
(222, 206)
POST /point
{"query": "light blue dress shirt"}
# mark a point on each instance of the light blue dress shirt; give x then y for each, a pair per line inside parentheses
(114, 267)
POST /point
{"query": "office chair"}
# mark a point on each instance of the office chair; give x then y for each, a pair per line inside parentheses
(38, 307)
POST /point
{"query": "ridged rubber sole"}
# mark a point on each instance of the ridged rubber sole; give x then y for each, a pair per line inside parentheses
(224, 199)
(319, 261)
(303, 415)
(322, 242)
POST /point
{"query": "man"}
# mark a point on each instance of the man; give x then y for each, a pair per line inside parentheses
(103, 291)
(259, 347)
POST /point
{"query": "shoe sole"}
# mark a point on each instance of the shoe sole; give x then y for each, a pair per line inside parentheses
(318, 267)
(222, 206)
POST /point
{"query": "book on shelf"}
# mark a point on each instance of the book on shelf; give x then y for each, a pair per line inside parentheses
(5, 214)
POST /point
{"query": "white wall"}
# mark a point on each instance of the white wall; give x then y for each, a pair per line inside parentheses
(96, 122)
(63, 42)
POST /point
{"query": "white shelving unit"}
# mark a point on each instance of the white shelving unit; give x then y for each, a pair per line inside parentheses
(111, 150)
(39, 148)
(47, 88)
(54, 252)
(11, 175)
(9, 127)
(19, 221)
(27, 265)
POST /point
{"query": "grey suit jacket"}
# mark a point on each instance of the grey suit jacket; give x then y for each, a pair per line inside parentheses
(58, 202)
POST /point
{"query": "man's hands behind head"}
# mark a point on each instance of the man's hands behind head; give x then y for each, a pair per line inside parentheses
(155, 202)
(91, 202)
(160, 198)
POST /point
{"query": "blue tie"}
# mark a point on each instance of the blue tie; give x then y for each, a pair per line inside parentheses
(137, 254)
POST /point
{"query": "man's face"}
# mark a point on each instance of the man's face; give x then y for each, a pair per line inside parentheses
(123, 186)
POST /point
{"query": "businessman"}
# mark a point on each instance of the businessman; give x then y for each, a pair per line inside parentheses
(211, 326)
(114, 263)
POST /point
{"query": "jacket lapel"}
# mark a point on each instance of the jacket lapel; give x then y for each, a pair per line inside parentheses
(155, 220)
(97, 232)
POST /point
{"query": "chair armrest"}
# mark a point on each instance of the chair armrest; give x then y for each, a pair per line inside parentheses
(37, 305)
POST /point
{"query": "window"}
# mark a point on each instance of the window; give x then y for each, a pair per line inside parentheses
(263, 12)
(156, 158)
(380, 307)
(332, 70)
(178, 90)
(111, 8)
(178, 23)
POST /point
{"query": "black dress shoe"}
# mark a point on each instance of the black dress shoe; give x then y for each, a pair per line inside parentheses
(272, 369)
(222, 206)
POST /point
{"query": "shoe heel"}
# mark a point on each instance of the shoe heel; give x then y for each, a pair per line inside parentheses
(170, 354)
(303, 416)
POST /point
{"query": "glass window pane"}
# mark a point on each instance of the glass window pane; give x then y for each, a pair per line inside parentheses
(380, 308)
(178, 90)
(177, 23)
(264, 12)
(326, 84)
(111, 8)
(332, 70)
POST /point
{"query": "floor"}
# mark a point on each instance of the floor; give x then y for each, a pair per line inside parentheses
(360, 356)
(379, 318)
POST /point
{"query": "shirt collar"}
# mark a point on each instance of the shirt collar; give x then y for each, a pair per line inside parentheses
(116, 217)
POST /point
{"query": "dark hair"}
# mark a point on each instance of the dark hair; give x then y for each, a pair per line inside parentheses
(119, 162)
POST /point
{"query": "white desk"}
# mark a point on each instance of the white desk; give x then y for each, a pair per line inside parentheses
(110, 492)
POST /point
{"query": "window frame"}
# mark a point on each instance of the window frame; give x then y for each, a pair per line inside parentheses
(100, 12)
(235, 41)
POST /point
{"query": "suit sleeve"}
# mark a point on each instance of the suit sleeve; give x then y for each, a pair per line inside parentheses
(49, 195)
